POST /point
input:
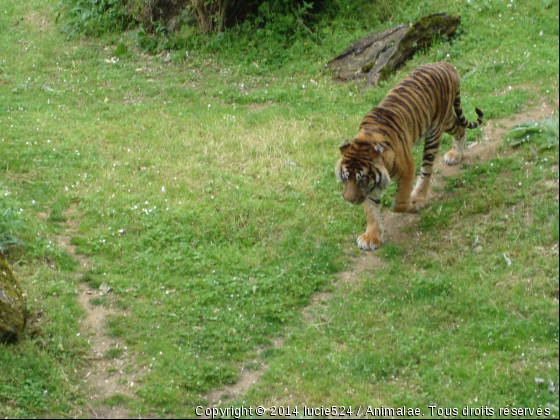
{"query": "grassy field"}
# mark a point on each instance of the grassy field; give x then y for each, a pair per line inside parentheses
(201, 188)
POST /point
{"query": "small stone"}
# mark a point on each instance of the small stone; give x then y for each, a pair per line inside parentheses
(539, 381)
(104, 289)
(478, 249)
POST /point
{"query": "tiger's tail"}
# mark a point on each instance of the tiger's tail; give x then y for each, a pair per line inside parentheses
(459, 112)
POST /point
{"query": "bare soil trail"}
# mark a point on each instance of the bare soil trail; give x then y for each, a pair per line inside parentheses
(104, 376)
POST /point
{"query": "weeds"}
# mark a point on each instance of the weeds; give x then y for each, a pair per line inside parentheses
(93, 17)
(11, 227)
(544, 134)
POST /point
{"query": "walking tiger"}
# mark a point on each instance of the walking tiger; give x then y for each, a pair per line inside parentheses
(424, 105)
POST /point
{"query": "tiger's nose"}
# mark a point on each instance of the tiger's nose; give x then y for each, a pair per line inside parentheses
(350, 199)
(354, 199)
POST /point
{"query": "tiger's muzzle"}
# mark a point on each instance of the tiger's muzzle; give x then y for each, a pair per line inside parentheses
(352, 193)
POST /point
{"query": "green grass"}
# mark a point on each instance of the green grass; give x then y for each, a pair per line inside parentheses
(113, 353)
(204, 196)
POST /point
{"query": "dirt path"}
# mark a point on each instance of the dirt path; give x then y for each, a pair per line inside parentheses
(105, 376)
(398, 228)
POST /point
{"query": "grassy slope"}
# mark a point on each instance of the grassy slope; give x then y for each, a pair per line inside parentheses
(451, 328)
(250, 223)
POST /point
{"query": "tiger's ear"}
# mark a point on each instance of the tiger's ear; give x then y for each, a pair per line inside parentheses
(344, 147)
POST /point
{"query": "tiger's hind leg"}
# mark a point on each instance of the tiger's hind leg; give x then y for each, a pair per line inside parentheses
(455, 155)
(431, 146)
(456, 126)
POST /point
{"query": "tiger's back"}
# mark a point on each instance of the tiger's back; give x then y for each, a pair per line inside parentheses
(417, 106)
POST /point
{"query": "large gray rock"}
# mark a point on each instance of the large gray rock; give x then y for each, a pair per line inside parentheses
(12, 304)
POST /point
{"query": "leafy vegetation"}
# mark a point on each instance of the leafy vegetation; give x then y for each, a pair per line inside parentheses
(200, 189)
(11, 227)
(275, 22)
(93, 17)
(545, 133)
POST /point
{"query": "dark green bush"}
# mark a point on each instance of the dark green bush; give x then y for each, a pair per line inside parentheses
(258, 30)
(93, 17)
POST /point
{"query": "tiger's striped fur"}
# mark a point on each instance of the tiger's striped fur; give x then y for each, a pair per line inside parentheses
(424, 105)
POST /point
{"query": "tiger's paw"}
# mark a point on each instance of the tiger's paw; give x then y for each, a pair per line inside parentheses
(369, 242)
(416, 205)
(452, 157)
(417, 201)
(401, 208)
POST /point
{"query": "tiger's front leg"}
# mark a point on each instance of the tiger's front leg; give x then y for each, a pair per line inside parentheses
(373, 237)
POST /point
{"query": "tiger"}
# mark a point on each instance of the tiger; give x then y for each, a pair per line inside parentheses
(423, 106)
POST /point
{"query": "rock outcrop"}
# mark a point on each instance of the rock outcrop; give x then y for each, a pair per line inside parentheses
(12, 304)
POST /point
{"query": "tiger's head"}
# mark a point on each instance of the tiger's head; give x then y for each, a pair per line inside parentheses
(361, 169)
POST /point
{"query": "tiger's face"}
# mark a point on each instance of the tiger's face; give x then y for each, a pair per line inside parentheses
(361, 170)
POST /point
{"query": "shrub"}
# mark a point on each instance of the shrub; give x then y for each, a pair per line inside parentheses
(93, 17)
(143, 11)
(210, 16)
